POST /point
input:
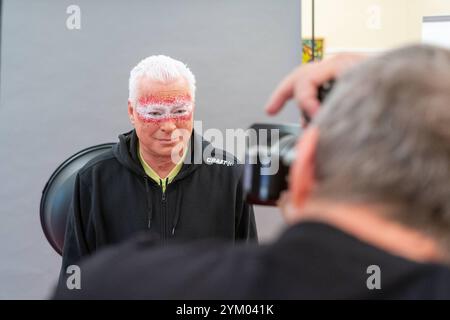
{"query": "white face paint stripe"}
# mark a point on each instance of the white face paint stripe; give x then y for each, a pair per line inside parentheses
(163, 111)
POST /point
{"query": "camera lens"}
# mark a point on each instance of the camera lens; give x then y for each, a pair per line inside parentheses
(267, 162)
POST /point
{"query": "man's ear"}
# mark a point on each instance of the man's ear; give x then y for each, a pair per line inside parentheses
(302, 175)
(130, 112)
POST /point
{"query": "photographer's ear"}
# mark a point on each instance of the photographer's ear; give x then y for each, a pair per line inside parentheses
(302, 175)
(130, 113)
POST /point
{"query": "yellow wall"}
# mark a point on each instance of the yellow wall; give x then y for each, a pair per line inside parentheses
(352, 25)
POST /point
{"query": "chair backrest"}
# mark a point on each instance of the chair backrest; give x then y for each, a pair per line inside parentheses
(57, 194)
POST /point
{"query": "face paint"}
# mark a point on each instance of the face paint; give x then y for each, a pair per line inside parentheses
(165, 97)
(164, 108)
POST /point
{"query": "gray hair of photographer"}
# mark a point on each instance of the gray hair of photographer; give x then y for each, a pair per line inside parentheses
(384, 138)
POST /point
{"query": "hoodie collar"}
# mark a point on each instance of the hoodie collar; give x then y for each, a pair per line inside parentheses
(126, 152)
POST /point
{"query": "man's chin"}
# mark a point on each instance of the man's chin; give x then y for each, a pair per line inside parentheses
(165, 149)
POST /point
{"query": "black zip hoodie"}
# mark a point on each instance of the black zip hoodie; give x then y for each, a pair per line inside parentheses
(113, 199)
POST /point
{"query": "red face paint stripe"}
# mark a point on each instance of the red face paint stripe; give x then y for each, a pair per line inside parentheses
(164, 99)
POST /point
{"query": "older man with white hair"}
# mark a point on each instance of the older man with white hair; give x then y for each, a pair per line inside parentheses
(148, 181)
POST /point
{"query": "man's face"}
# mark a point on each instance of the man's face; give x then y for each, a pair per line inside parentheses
(160, 109)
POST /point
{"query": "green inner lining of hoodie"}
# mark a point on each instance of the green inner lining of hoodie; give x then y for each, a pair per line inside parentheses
(155, 177)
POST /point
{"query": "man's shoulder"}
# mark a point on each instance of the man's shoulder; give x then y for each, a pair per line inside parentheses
(218, 159)
(103, 161)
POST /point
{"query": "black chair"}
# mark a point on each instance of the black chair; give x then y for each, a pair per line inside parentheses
(57, 194)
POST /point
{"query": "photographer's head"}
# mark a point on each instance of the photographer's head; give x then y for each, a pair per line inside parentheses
(381, 144)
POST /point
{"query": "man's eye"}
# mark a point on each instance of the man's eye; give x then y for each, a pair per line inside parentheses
(155, 114)
(179, 111)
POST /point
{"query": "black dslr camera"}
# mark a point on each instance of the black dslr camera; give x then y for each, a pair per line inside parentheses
(270, 153)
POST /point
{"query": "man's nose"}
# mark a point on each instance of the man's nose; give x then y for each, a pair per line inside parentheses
(168, 126)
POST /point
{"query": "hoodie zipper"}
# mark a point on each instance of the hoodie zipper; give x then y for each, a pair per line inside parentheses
(163, 212)
(127, 146)
(149, 206)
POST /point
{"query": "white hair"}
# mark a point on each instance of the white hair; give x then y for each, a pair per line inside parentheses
(159, 68)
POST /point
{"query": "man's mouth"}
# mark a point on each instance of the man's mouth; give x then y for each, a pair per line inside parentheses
(167, 140)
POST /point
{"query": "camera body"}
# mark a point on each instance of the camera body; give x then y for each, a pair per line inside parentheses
(267, 162)
(269, 157)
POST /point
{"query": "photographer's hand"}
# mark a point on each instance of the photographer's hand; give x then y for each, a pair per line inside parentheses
(303, 83)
